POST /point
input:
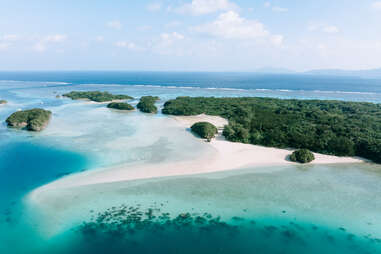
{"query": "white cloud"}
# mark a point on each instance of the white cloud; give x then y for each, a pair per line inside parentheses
(277, 40)
(129, 45)
(39, 46)
(330, 29)
(9, 37)
(170, 37)
(55, 38)
(279, 9)
(42, 43)
(170, 44)
(99, 38)
(154, 7)
(173, 24)
(324, 28)
(230, 25)
(4, 45)
(275, 8)
(200, 7)
(376, 5)
(115, 24)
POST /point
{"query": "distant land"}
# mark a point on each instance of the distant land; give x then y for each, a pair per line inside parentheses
(370, 73)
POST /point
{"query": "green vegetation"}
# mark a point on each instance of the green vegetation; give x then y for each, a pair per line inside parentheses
(33, 119)
(147, 104)
(204, 130)
(330, 127)
(302, 156)
(3, 102)
(120, 106)
(96, 96)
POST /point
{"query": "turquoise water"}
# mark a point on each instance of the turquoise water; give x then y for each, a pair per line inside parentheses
(291, 210)
(23, 167)
(303, 209)
(36, 164)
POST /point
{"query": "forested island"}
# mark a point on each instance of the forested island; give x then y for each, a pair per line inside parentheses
(96, 96)
(33, 119)
(330, 127)
(3, 102)
(204, 130)
(120, 106)
(147, 104)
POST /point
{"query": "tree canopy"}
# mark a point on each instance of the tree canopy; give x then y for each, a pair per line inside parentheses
(120, 106)
(302, 156)
(96, 96)
(33, 119)
(330, 127)
(147, 104)
(204, 130)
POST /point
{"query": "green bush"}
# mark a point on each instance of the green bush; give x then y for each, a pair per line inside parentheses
(204, 130)
(33, 119)
(147, 104)
(3, 102)
(120, 106)
(302, 156)
(329, 127)
(96, 96)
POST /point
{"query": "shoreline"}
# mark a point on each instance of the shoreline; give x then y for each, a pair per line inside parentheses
(225, 156)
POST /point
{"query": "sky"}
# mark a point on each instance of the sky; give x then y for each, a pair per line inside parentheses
(189, 35)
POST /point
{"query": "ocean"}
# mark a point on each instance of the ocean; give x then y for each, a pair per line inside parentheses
(293, 209)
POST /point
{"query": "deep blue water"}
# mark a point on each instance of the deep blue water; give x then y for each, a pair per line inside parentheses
(204, 80)
(25, 165)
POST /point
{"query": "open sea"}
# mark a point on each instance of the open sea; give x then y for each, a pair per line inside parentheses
(287, 209)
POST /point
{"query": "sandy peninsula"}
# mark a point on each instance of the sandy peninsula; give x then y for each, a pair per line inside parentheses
(226, 156)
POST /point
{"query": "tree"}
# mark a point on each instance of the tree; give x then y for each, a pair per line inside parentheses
(302, 156)
(204, 130)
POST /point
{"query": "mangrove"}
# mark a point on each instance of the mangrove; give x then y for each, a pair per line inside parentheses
(96, 96)
(147, 104)
(120, 106)
(332, 127)
(302, 156)
(204, 130)
(32, 120)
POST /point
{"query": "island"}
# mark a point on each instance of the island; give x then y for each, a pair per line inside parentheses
(120, 106)
(96, 96)
(32, 120)
(204, 130)
(302, 156)
(328, 127)
(3, 102)
(147, 104)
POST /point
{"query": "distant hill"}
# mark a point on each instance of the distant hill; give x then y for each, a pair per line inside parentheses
(371, 73)
(274, 70)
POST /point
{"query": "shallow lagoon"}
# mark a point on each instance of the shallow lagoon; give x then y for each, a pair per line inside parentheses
(341, 200)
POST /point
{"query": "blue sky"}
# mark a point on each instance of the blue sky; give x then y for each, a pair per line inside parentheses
(206, 35)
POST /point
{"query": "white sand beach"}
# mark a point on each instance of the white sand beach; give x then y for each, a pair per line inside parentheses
(225, 156)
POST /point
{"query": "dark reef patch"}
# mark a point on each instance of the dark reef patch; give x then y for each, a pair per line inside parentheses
(130, 229)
